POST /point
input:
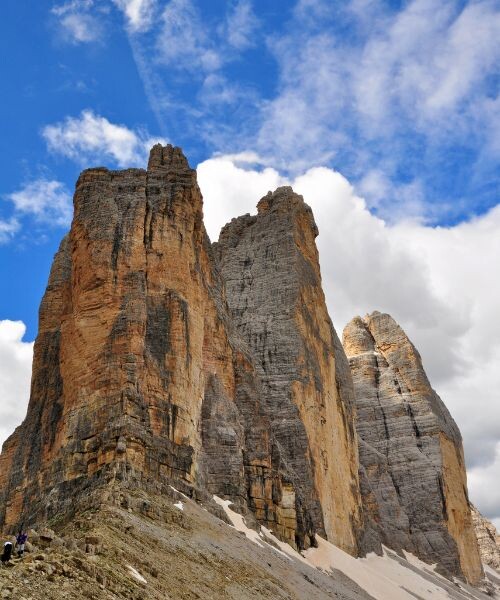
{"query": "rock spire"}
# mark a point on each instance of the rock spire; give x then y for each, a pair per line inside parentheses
(143, 369)
(412, 469)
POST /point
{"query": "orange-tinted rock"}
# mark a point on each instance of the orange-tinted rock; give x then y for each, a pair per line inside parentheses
(130, 336)
(141, 371)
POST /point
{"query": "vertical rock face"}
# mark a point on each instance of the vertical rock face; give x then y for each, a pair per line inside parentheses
(140, 372)
(131, 337)
(412, 472)
(163, 359)
(269, 263)
(488, 539)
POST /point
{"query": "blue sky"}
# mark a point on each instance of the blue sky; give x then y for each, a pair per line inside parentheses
(385, 115)
(399, 97)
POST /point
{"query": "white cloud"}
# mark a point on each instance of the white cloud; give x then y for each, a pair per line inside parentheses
(428, 58)
(393, 202)
(440, 284)
(484, 488)
(404, 81)
(230, 191)
(241, 26)
(91, 137)
(184, 41)
(139, 13)
(77, 21)
(48, 201)
(8, 229)
(15, 375)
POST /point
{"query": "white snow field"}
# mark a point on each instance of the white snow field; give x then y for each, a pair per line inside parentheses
(387, 577)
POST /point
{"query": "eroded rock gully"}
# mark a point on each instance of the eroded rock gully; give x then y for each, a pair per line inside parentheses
(162, 359)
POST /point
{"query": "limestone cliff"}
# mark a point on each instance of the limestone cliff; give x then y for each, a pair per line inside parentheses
(130, 336)
(413, 480)
(270, 266)
(163, 360)
(140, 374)
(488, 539)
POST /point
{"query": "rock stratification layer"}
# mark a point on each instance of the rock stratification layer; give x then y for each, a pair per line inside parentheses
(269, 263)
(141, 370)
(412, 469)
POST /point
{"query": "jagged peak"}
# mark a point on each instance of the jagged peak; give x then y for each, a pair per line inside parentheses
(283, 198)
(167, 158)
(356, 337)
(283, 201)
(364, 334)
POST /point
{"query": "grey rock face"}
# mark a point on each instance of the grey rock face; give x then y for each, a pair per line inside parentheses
(412, 472)
(270, 267)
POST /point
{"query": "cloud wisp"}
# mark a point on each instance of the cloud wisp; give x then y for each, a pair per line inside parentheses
(48, 201)
(90, 137)
(184, 62)
(8, 228)
(139, 14)
(406, 104)
(78, 21)
(397, 96)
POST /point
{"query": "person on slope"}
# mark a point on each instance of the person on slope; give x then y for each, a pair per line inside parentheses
(20, 543)
(7, 552)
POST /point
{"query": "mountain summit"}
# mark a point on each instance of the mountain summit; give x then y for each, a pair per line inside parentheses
(166, 362)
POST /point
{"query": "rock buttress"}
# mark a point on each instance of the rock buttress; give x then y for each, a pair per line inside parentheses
(269, 263)
(132, 339)
(413, 479)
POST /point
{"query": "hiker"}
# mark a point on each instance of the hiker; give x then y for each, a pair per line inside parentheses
(7, 552)
(20, 542)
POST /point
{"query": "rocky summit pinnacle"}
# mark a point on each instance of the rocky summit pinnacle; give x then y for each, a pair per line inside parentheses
(164, 361)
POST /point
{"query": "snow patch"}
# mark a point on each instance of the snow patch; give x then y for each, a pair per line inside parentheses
(136, 575)
(238, 521)
(381, 576)
(491, 571)
(286, 550)
(177, 491)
